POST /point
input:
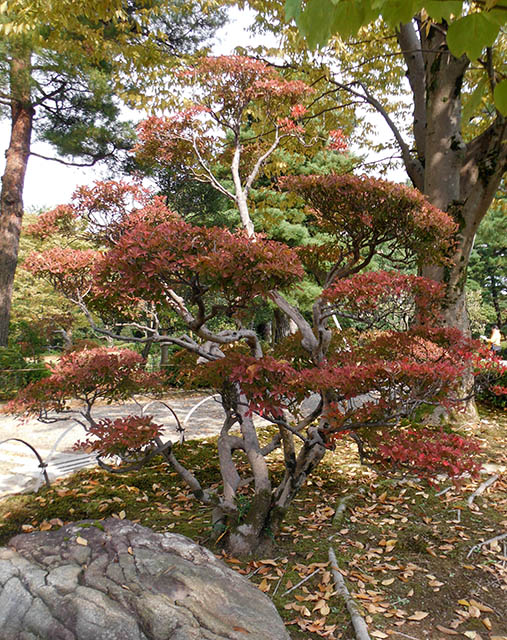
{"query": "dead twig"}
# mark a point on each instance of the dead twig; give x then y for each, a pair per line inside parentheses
(301, 582)
(481, 488)
(340, 509)
(279, 582)
(476, 547)
(441, 493)
(405, 635)
(360, 628)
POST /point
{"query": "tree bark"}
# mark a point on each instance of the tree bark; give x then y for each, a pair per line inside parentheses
(459, 178)
(11, 197)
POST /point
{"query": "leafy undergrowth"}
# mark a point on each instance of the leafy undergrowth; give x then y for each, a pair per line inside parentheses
(410, 553)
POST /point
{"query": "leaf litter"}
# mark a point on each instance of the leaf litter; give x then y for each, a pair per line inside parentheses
(401, 546)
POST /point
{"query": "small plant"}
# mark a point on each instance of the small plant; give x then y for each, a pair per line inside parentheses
(427, 453)
(490, 379)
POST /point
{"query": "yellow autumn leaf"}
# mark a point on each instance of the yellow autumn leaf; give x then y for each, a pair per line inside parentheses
(264, 586)
(387, 582)
(82, 541)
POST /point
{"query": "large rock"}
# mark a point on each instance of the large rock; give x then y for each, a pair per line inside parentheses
(116, 580)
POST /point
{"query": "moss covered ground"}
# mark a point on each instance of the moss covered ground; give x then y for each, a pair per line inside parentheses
(408, 551)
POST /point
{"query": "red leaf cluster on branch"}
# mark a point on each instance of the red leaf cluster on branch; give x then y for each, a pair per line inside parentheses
(68, 270)
(88, 375)
(61, 219)
(195, 261)
(121, 436)
(367, 216)
(428, 452)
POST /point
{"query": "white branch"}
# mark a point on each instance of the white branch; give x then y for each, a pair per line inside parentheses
(358, 622)
(209, 174)
(255, 171)
(476, 547)
(482, 488)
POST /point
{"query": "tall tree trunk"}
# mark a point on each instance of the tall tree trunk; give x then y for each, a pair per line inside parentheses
(444, 153)
(458, 178)
(11, 197)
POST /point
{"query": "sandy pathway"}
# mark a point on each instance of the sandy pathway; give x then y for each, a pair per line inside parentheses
(19, 466)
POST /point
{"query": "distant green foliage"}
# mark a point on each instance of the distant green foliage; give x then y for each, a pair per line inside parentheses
(488, 263)
(16, 371)
(39, 314)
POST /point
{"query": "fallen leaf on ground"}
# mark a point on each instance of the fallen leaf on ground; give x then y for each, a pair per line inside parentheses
(418, 615)
(480, 606)
(449, 632)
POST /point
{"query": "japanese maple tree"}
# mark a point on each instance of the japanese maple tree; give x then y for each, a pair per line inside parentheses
(240, 112)
(326, 384)
(390, 360)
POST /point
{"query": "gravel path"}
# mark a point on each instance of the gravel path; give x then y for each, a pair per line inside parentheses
(19, 469)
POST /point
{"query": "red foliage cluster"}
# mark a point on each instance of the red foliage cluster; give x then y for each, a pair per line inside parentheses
(399, 380)
(363, 292)
(429, 452)
(88, 375)
(121, 436)
(224, 87)
(68, 270)
(420, 343)
(61, 219)
(490, 377)
(288, 125)
(337, 141)
(153, 258)
(255, 375)
(109, 199)
(366, 215)
(162, 140)
(238, 80)
(393, 372)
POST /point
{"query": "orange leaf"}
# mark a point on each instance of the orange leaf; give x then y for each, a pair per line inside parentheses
(480, 606)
